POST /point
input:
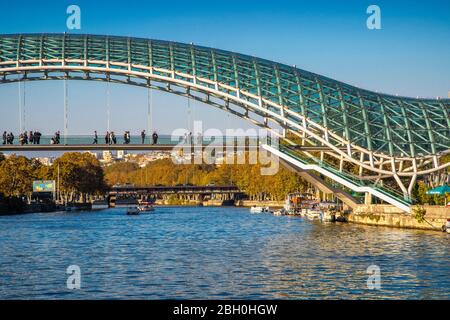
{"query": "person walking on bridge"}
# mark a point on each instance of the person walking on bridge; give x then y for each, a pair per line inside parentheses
(4, 137)
(107, 137)
(95, 138)
(10, 138)
(155, 138)
(143, 136)
(113, 138)
(31, 137)
(21, 140)
(126, 137)
(37, 137)
(25, 137)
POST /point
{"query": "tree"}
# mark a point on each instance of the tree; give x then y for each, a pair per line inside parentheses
(79, 173)
(420, 194)
(17, 174)
(119, 173)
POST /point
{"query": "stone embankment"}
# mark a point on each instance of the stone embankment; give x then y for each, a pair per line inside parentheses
(430, 218)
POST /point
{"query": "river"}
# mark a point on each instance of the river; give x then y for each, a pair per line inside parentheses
(215, 253)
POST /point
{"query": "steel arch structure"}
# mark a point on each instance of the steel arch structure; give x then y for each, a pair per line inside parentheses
(385, 136)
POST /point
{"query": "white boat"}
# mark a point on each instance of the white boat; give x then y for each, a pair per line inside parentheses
(100, 205)
(281, 212)
(328, 216)
(260, 210)
(314, 214)
(145, 208)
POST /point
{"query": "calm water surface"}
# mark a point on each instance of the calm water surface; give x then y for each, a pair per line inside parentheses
(215, 253)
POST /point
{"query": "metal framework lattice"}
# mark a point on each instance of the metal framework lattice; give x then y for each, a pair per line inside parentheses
(386, 136)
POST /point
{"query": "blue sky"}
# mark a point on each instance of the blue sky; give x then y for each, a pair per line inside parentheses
(409, 56)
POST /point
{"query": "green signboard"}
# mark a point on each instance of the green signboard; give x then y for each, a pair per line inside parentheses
(44, 186)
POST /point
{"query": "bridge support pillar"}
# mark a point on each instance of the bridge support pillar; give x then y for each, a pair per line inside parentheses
(367, 199)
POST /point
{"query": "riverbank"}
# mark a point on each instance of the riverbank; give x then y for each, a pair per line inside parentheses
(6, 209)
(252, 203)
(222, 203)
(432, 218)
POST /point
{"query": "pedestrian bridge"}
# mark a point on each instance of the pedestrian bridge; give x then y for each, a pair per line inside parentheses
(370, 140)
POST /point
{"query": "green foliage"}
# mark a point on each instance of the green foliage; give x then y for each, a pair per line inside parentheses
(118, 173)
(420, 194)
(419, 214)
(17, 174)
(78, 173)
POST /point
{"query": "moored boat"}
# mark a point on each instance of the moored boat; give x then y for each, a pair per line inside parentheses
(133, 211)
(100, 205)
(328, 216)
(314, 214)
(126, 203)
(145, 208)
(281, 212)
(256, 209)
(71, 207)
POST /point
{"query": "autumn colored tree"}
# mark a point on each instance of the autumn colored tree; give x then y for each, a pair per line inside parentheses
(119, 173)
(79, 174)
(247, 177)
(17, 174)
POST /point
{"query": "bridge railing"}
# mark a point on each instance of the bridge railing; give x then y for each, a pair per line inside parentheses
(346, 175)
(136, 140)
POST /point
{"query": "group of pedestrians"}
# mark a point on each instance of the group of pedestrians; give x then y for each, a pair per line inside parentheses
(56, 139)
(188, 138)
(31, 137)
(8, 138)
(110, 137)
(155, 137)
(24, 138)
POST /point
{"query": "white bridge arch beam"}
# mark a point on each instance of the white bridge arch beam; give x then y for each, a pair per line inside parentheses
(169, 78)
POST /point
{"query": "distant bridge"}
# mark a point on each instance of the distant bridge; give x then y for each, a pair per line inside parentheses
(186, 192)
(185, 189)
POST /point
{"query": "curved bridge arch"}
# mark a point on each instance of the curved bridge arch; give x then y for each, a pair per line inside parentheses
(386, 136)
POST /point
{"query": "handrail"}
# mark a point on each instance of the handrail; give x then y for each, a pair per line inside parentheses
(345, 175)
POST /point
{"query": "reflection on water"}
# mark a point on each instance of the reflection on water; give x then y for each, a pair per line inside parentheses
(215, 253)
